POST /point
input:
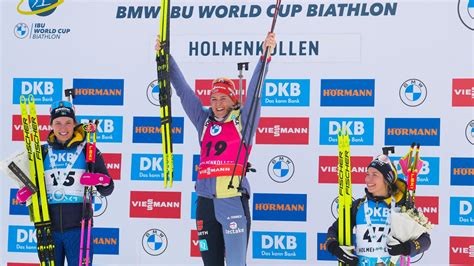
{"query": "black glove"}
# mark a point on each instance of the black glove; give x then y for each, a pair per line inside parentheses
(400, 249)
(343, 253)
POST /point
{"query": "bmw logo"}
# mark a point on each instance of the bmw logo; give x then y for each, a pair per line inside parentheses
(470, 132)
(413, 92)
(154, 242)
(281, 168)
(215, 130)
(21, 30)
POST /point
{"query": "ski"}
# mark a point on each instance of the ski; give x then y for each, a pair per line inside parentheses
(162, 63)
(39, 208)
(344, 189)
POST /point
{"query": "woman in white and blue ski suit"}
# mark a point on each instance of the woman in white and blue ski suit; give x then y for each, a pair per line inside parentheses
(222, 213)
(370, 216)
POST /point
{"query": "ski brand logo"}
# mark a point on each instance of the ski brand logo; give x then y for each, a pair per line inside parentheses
(113, 162)
(462, 171)
(279, 207)
(283, 130)
(361, 130)
(286, 92)
(413, 92)
(428, 174)
(98, 91)
(281, 168)
(193, 205)
(149, 167)
(15, 207)
(44, 90)
(323, 254)
(40, 8)
(195, 252)
(327, 173)
(151, 204)
(461, 211)
(21, 239)
(106, 240)
(203, 89)
(347, 92)
(466, 13)
(154, 242)
(429, 206)
(109, 129)
(196, 161)
(461, 250)
(43, 127)
(463, 92)
(470, 132)
(148, 129)
(405, 131)
(279, 245)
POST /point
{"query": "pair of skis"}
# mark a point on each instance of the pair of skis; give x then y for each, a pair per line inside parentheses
(88, 198)
(345, 189)
(39, 202)
(162, 64)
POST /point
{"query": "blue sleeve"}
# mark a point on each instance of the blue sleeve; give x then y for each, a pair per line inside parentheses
(191, 103)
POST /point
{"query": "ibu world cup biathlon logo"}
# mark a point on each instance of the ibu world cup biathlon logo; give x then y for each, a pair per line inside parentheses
(41, 8)
(470, 132)
(154, 242)
(281, 168)
(413, 92)
(466, 13)
(21, 30)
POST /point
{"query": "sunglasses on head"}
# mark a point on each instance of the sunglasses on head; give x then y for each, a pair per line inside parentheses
(61, 104)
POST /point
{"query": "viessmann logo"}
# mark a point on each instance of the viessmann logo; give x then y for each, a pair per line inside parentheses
(203, 90)
(463, 92)
(43, 127)
(151, 204)
(279, 207)
(327, 172)
(347, 92)
(98, 91)
(113, 162)
(405, 131)
(461, 250)
(283, 130)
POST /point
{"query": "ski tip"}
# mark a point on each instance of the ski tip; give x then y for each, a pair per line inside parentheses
(31, 98)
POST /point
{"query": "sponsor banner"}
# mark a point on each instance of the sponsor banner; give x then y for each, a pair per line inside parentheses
(196, 161)
(428, 174)
(405, 131)
(327, 172)
(109, 129)
(44, 90)
(462, 171)
(461, 211)
(147, 129)
(461, 250)
(154, 242)
(22, 264)
(15, 207)
(283, 130)
(153, 204)
(149, 167)
(21, 239)
(113, 162)
(348, 92)
(279, 207)
(106, 240)
(429, 206)
(195, 252)
(194, 198)
(413, 92)
(323, 254)
(43, 127)
(286, 92)
(361, 130)
(463, 91)
(279, 245)
(98, 91)
(281, 168)
(203, 89)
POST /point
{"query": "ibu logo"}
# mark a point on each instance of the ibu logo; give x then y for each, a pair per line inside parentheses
(149, 167)
(461, 211)
(109, 129)
(279, 245)
(360, 130)
(286, 92)
(44, 90)
(21, 239)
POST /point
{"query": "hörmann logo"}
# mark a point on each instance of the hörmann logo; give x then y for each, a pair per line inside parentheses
(283, 130)
(461, 250)
(347, 92)
(462, 212)
(203, 90)
(279, 207)
(286, 92)
(279, 245)
(462, 171)
(106, 240)
(149, 167)
(147, 129)
(361, 130)
(463, 92)
(151, 204)
(98, 91)
(327, 173)
(323, 253)
(44, 90)
(109, 129)
(16, 208)
(405, 131)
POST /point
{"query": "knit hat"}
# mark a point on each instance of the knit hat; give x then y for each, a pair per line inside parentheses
(62, 108)
(224, 86)
(383, 164)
